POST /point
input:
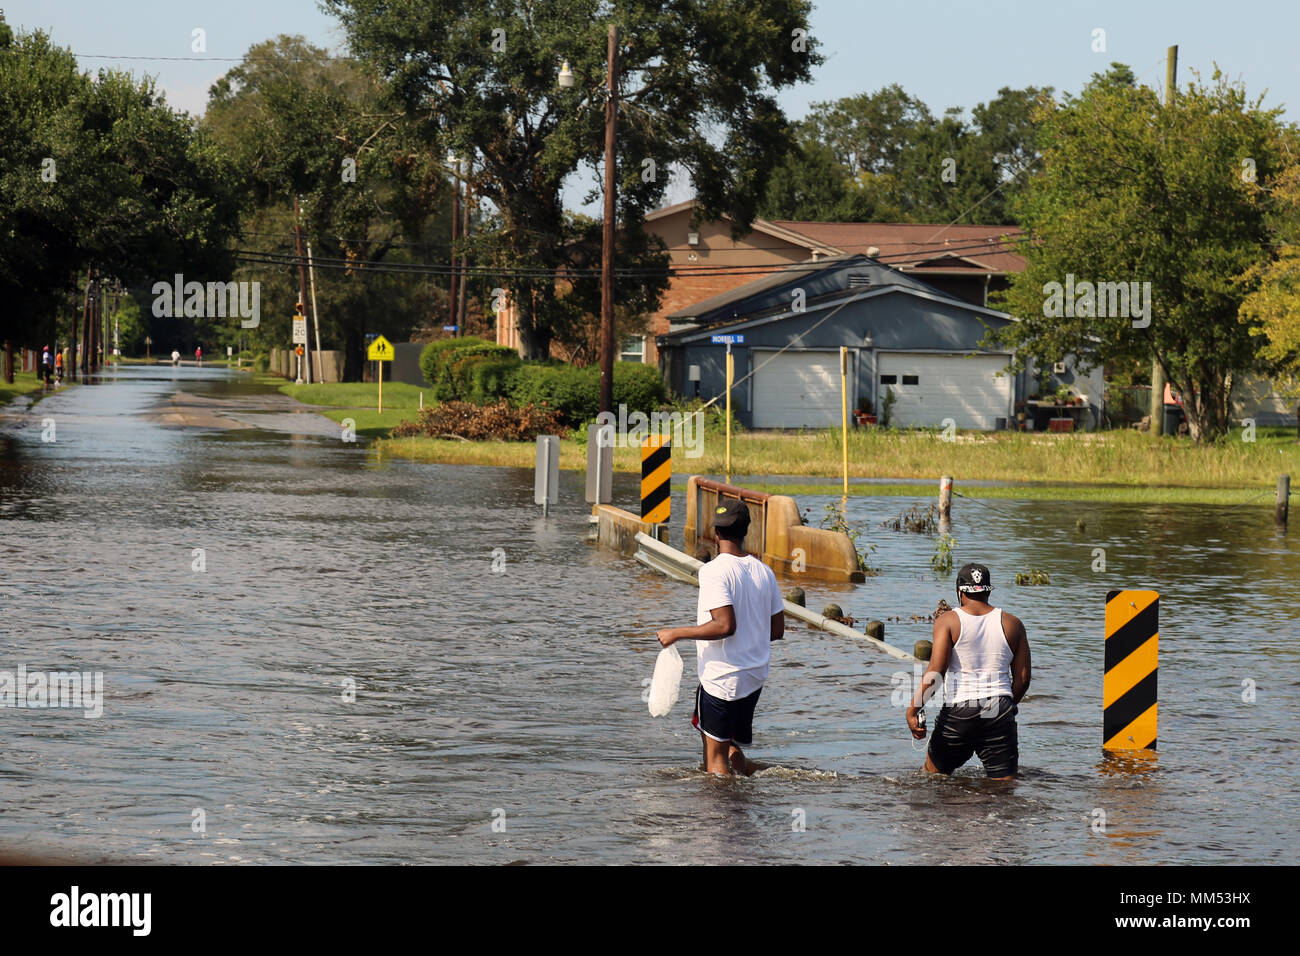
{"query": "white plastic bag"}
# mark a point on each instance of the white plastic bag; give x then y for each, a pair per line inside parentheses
(667, 682)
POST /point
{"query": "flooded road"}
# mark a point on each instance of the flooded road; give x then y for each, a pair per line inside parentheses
(310, 654)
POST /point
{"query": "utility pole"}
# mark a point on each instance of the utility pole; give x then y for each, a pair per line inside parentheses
(464, 258)
(302, 262)
(1157, 370)
(453, 308)
(315, 316)
(607, 243)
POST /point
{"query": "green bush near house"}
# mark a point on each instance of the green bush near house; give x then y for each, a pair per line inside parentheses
(575, 392)
(448, 364)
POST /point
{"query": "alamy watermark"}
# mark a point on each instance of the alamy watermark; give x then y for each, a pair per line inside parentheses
(1101, 300)
(215, 300)
(686, 430)
(47, 690)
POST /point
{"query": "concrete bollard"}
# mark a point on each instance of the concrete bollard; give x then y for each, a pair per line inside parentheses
(794, 596)
(875, 629)
(832, 610)
(922, 650)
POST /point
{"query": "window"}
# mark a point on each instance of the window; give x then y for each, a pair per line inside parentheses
(633, 349)
(910, 380)
(889, 380)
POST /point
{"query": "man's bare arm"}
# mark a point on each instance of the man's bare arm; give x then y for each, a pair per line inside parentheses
(940, 653)
(723, 625)
(1021, 670)
(778, 625)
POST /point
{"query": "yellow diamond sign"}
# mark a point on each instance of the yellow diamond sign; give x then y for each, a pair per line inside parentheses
(381, 350)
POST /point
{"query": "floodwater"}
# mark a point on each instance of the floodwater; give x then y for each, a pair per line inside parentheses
(498, 715)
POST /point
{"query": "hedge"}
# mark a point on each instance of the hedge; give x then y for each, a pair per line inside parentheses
(448, 364)
(575, 392)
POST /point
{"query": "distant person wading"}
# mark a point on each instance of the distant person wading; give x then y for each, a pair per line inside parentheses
(982, 654)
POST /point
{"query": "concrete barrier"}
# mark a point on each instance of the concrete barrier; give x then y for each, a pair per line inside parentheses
(776, 532)
(618, 529)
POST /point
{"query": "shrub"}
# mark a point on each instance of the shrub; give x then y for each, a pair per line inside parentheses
(637, 385)
(446, 366)
(572, 392)
(499, 420)
(491, 379)
(575, 392)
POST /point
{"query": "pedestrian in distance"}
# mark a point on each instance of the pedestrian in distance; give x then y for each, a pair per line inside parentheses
(47, 367)
(58, 368)
(981, 654)
(176, 357)
(198, 354)
(739, 613)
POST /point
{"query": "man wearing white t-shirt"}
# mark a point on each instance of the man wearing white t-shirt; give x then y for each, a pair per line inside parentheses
(740, 613)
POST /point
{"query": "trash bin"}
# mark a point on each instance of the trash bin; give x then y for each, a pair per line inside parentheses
(1173, 418)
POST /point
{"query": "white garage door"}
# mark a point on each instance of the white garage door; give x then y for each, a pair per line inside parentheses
(930, 388)
(796, 389)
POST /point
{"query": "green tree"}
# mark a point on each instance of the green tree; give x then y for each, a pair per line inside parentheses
(1135, 192)
(97, 175)
(696, 92)
(884, 156)
(374, 194)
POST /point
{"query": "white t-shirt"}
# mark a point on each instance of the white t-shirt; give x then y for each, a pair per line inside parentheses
(734, 667)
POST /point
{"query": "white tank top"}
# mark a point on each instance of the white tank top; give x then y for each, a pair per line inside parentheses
(981, 660)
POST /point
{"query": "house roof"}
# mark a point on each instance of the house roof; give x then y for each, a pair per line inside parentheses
(847, 297)
(920, 246)
(773, 280)
(758, 225)
(726, 309)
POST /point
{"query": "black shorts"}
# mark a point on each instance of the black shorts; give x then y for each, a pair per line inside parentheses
(727, 721)
(983, 727)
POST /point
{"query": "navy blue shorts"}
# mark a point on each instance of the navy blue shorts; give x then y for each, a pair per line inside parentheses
(727, 721)
(986, 728)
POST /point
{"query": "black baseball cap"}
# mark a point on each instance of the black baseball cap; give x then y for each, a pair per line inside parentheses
(974, 579)
(729, 513)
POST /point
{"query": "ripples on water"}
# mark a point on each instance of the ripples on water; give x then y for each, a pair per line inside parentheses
(515, 697)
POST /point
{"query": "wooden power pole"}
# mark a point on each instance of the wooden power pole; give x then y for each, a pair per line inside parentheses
(607, 243)
(1157, 370)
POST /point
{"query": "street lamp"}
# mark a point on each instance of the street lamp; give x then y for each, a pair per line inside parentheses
(566, 80)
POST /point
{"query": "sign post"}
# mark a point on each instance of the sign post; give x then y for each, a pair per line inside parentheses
(1129, 684)
(844, 412)
(299, 339)
(380, 351)
(546, 481)
(729, 340)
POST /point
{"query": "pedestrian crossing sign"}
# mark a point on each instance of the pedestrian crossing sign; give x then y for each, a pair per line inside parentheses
(381, 350)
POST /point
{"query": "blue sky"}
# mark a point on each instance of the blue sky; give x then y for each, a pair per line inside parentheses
(945, 53)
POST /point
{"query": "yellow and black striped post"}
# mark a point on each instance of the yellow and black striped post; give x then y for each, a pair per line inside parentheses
(656, 476)
(1129, 686)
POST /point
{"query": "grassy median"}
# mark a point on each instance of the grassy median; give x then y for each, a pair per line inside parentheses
(359, 401)
(1114, 465)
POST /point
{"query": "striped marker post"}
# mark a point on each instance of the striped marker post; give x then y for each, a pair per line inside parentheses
(656, 476)
(1129, 686)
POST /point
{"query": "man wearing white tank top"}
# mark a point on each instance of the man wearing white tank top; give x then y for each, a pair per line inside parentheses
(982, 654)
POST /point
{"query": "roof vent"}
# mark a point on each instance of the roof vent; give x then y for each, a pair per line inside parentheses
(873, 252)
(859, 280)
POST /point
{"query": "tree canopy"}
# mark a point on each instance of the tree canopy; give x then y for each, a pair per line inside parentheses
(1135, 192)
(696, 92)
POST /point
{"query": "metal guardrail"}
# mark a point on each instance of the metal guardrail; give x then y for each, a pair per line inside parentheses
(682, 567)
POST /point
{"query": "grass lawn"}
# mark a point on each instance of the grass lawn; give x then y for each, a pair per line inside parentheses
(359, 400)
(24, 384)
(1116, 465)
